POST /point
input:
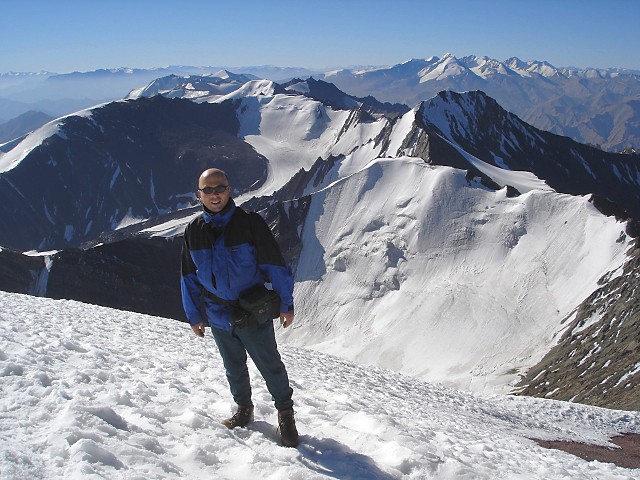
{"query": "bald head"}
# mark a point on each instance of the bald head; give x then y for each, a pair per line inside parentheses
(214, 190)
(210, 173)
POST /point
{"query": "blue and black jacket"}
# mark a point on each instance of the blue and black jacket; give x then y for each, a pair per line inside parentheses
(226, 253)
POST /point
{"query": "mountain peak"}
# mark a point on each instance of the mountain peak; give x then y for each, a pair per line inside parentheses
(225, 74)
(515, 63)
(447, 66)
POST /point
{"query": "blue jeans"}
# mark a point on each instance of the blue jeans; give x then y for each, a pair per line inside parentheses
(260, 343)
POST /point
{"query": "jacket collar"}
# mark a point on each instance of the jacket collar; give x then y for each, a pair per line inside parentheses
(220, 219)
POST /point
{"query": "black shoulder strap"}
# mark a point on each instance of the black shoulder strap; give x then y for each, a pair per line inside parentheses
(252, 227)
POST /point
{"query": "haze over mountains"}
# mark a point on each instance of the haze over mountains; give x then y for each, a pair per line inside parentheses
(449, 240)
(61, 94)
(23, 123)
(592, 106)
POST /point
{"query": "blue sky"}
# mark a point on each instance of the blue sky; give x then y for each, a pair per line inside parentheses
(73, 35)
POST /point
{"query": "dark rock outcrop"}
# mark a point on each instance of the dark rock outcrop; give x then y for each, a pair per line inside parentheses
(137, 274)
(131, 159)
(19, 273)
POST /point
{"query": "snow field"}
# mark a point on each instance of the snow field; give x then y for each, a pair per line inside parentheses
(91, 392)
(294, 131)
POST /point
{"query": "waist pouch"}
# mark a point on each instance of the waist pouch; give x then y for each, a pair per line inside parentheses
(255, 306)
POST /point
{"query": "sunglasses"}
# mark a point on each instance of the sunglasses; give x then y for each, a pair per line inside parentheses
(216, 189)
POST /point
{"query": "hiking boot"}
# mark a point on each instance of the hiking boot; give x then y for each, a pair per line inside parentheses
(287, 427)
(242, 417)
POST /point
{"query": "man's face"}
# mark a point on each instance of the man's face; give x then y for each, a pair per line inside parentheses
(214, 201)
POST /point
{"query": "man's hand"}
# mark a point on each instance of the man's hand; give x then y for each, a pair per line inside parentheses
(198, 329)
(286, 319)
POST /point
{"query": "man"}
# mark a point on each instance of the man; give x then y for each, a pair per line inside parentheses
(226, 251)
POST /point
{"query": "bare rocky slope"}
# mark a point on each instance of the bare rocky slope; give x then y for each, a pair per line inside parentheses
(597, 359)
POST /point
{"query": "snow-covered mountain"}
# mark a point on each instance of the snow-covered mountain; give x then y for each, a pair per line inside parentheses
(158, 147)
(593, 106)
(123, 162)
(479, 126)
(414, 268)
(193, 87)
(139, 142)
(209, 88)
(452, 220)
(61, 94)
(91, 392)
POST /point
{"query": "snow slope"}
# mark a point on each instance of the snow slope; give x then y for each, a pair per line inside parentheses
(90, 392)
(33, 140)
(12, 159)
(408, 267)
(293, 131)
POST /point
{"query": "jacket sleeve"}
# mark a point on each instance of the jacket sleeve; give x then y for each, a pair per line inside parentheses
(271, 262)
(190, 285)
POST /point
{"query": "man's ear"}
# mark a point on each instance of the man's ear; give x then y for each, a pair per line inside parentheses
(198, 193)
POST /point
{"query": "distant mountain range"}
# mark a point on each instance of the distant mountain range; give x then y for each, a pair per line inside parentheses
(207, 88)
(61, 94)
(593, 106)
(22, 125)
(452, 228)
